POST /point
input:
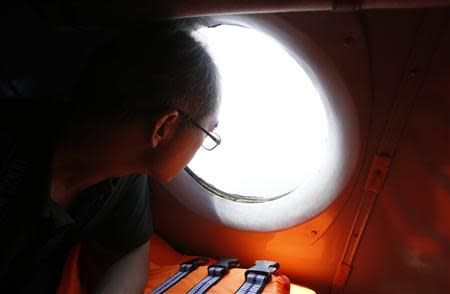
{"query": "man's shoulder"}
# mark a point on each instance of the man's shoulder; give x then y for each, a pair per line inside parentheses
(131, 191)
(128, 223)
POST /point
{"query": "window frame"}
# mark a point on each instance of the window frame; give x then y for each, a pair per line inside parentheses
(344, 135)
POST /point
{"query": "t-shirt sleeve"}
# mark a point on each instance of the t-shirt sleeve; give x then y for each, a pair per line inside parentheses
(129, 224)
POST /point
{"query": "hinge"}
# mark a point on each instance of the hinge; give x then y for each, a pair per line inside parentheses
(377, 173)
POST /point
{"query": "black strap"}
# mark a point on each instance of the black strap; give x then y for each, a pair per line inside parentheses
(185, 269)
(257, 276)
(215, 273)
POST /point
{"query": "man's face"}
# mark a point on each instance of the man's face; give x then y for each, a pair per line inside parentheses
(181, 148)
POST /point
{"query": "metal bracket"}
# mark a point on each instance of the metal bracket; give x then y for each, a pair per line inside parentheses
(377, 173)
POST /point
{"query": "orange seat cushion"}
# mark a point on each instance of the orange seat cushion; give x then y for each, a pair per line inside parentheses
(164, 262)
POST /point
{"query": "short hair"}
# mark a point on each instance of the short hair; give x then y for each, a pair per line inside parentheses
(159, 66)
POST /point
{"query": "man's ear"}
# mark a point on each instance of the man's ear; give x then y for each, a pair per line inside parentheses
(164, 127)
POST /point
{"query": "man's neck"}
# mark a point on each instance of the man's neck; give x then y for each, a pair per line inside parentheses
(70, 176)
(87, 156)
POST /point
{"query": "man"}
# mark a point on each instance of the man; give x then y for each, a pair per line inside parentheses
(76, 170)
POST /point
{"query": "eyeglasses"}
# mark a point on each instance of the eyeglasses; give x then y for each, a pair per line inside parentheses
(211, 141)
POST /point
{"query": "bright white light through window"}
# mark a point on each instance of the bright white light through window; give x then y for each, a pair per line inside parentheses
(272, 121)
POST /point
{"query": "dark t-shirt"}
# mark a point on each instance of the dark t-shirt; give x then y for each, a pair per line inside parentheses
(35, 231)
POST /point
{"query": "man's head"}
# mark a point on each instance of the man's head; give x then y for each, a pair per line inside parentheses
(147, 77)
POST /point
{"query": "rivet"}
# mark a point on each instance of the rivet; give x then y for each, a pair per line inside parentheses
(348, 41)
(314, 233)
(413, 73)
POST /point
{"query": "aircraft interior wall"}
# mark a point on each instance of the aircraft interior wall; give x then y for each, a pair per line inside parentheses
(405, 246)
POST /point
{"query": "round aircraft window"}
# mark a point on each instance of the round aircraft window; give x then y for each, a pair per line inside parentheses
(272, 121)
(289, 130)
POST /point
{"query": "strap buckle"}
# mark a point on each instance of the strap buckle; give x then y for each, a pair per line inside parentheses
(190, 265)
(226, 263)
(263, 267)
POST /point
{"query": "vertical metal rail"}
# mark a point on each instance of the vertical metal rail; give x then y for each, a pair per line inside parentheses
(427, 38)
